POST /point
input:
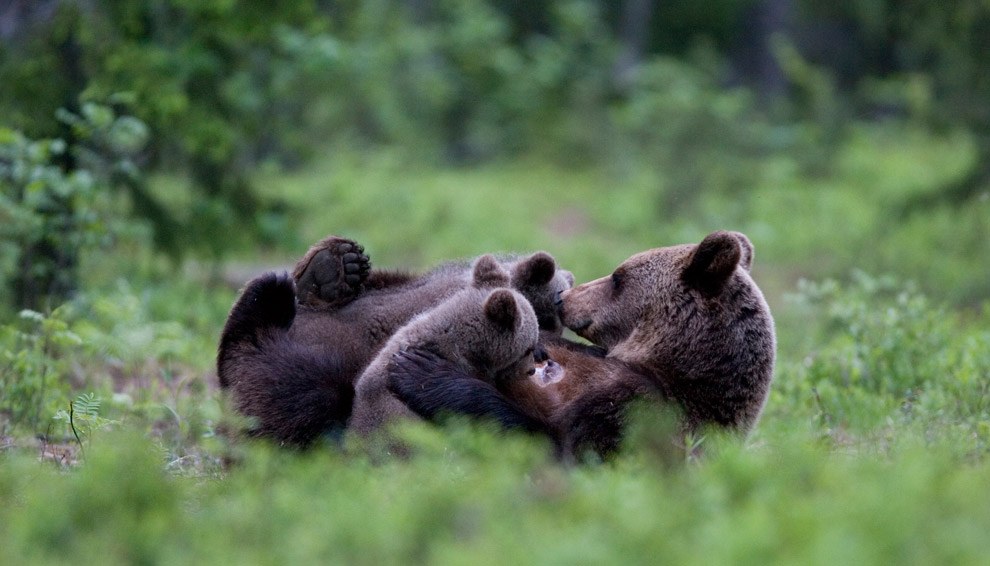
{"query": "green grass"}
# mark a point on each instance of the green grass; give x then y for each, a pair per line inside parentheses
(873, 448)
(469, 497)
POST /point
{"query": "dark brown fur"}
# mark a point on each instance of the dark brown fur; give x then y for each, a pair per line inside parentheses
(289, 360)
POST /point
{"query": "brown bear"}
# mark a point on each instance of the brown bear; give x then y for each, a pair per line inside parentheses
(289, 360)
(486, 330)
(684, 325)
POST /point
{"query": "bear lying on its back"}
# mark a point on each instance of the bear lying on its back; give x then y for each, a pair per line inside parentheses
(290, 365)
(682, 324)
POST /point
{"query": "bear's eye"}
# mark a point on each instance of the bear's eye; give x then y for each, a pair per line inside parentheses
(528, 355)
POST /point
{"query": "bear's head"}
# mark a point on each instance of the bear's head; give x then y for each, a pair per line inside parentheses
(489, 328)
(692, 314)
(538, 278)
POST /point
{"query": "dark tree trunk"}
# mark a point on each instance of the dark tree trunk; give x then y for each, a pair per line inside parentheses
(634, 35)
(754, 54)
(48, 271)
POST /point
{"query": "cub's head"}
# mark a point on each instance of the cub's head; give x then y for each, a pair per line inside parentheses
(494, 327)
(689, 312)
(541, 282)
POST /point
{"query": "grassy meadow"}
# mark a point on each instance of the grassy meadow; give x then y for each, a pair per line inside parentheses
(874, 447)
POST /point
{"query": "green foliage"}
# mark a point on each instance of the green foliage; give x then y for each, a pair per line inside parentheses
(32, 366)
(40, 206)
(82, 418)
(113, 346)
(877, 435)
(208, 78)
(873, 448)
(874, 444)
(485, 499)
(56, 201)
(453, 83)
(700, 137)
(887, 358)
(226, 87)
(77, 515)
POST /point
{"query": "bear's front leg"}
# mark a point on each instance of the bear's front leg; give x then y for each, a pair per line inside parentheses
(433, 387)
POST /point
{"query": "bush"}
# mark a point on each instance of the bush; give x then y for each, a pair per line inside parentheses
(888, 359)
(56, 201)
(34, 366)
(697, 136)
(104, 358)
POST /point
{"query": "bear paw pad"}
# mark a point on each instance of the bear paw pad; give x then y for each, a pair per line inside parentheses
(332, 272)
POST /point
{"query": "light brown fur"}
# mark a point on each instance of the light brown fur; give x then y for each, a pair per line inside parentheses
(683, 325)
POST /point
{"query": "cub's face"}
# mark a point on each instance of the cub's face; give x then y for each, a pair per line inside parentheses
(498, 339)
(607, 310)
(522, 366)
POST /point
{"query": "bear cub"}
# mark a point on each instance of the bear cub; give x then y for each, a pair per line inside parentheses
(487, 331)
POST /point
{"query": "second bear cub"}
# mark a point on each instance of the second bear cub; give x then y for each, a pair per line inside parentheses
(487, 330)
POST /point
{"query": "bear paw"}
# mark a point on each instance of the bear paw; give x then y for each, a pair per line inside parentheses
(331, 273)
(433, 387)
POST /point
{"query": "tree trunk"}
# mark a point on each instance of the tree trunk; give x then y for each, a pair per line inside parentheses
(48, 270)
(754, 54)
(634, 34)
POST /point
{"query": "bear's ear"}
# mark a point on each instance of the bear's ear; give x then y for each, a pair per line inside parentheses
(713, 262)
(500, 308)
(488, 273)
(746, 260)
(535, 271)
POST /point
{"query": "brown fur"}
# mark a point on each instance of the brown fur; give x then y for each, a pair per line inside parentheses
(486, 330)
(682, 324)
(290, 365)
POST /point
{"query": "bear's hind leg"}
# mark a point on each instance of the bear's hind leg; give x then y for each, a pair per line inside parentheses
(331, 273)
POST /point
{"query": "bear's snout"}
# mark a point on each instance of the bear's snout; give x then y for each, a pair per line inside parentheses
(571, 319)
(573, 308)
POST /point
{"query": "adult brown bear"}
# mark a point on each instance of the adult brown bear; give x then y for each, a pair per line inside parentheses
(684, 324)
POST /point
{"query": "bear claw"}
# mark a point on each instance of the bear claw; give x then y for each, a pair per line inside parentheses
(332, 272)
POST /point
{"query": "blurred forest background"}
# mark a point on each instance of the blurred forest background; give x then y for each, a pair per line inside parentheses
(155, 154)
(176, 125)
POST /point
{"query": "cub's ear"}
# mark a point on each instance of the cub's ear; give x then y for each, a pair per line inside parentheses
(746, 260)
(488, 273)
(500, 308)
(534, 271)
(713, 262)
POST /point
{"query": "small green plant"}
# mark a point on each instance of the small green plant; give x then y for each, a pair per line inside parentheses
(82, 418)
(32, 366)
